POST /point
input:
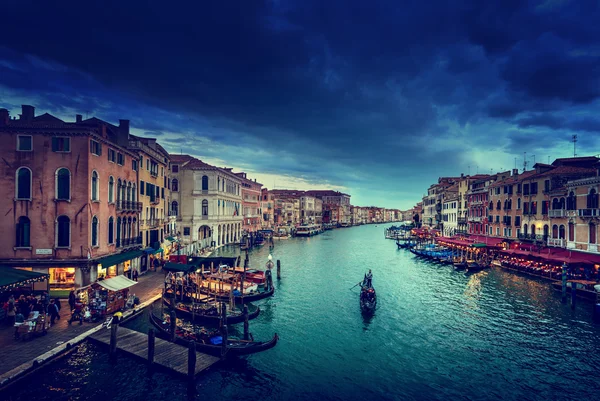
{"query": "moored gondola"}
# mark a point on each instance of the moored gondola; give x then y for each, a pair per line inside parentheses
(251, 297)
(209, 341)
(208, 315)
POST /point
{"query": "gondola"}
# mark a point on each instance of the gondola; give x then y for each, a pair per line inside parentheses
(474, 267)
(368, 297)
(211, 316)
(238, 298)
(235, 347)
(460, 265)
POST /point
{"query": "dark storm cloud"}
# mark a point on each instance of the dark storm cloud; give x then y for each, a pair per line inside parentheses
(380, 87)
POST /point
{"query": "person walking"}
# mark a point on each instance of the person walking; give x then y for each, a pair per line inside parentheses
(53, 311)
(11, 311)
(72, 300)
(135, 275)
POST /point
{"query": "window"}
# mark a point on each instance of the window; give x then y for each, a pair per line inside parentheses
(204, 207)
(525, 207)
(142, 187)
(63, 184)
(509, 204)
(186, 231)
(175, 208)
(205, 183)
(592, 199)
(134, 165)
(525, 189)
(534, 207)
(545, 205)
(120, 159)
(571, 201)
(24, 143)
(175, 168)
(175, 185)
(592, 233)
(23, 190)
(111, 230)
(94, 186)
(162, 193)
(63, 232)
(534, 188)
(141, 162)
(61, 144)
(518, 188)
(571, 232)
(561, 232)
(94, 231)
(148, 164)
(491, 206)
(23, 232)
(517, 221)
(518, 203)
(96, 148)
(546, 230)
(555, 231)
(546, 185)
(112, 155)
(111, 189)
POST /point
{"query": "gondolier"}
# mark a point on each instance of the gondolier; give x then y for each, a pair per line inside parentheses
(369, 278)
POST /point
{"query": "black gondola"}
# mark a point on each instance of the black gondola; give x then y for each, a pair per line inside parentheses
(460, 265)
(368, 297)
(238, 298)
(211, 316)
(235, 347)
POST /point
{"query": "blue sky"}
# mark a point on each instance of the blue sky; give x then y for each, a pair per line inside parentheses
(377, 99)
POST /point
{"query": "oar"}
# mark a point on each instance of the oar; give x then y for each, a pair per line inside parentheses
(355, 285)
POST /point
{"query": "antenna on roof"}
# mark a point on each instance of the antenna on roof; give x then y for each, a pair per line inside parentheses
(524, 161)
(533, 159)
(574, 145)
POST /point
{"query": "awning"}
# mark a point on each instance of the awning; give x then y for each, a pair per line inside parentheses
(215, 260)
(119, 258)
(12, 278)
(172, 239)
(116, 283)
(151, 251)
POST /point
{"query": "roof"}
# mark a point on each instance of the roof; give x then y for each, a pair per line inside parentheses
(569, 170)
(116, 283)
(10, 278)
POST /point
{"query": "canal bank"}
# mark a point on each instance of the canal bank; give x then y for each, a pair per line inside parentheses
(437, 334)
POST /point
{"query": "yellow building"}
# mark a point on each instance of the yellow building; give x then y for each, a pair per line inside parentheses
(154, 194)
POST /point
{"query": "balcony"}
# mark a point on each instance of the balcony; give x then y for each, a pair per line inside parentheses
(475, 219)
(154, 201)
(560, 242)
(129, 206)
(152, 223)
(557, 213)
(121, 243)
(588, 212)
(592, 248)
(535, 237)
(461, 220)
(154, 174)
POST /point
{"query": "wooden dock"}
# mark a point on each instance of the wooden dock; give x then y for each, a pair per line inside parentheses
(166, 354)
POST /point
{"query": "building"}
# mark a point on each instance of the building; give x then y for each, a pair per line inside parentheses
(583, 213)
(307, 209)
(335, 198)
(74, 213)
(251, 204)
(154, 195)
(207, 203)
(267, 208)
(450, 211)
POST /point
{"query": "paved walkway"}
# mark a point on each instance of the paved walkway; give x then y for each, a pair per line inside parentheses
(17, 352)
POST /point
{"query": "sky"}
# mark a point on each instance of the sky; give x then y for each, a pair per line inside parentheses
(374, 98)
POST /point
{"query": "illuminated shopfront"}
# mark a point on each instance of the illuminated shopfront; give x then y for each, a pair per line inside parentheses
(62, 277)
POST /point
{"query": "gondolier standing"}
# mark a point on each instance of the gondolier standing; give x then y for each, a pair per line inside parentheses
(369, 278)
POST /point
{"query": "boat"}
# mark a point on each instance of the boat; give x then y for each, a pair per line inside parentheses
(308, 230)
(368, 297)
(460, 265)
(473, 266)
(207, 313)
(210, 341)
(584, 288)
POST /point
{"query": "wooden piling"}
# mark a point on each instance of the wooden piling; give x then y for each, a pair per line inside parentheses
(191, 360)
(573, 294)
(151, 342)
(173, 325)
(224, 329)
(113, 341)
(245, 322)
(564, 283)
(278, 269)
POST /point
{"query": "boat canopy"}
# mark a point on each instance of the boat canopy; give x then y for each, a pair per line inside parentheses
(116, 283)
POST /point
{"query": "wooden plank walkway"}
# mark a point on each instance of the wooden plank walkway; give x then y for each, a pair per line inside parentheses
(166, 354)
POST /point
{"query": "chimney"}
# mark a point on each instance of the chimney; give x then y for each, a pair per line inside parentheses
(515, 172)
(4, 117)
(27, 112)
(123, 137)
(78, 118)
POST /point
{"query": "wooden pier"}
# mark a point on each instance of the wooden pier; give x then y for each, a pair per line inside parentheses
(168, 355)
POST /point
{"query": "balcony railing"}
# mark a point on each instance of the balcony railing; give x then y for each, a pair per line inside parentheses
(557, 213)
(461, 220)
(556, 242)
(537, 237)
(154, 201)
(588, 212)
(152, 222)
(475, 218)
(129, 242)
(129, 206)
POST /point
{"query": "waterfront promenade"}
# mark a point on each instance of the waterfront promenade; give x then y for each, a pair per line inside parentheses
(18, 355)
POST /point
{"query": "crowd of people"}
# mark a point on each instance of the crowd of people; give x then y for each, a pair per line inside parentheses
(552, 271)
(18, 308)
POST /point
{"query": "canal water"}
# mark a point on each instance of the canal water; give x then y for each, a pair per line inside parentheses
(437, 335)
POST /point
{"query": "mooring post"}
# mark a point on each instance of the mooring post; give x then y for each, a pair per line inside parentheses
(113, 341)
(245, 322)
(173, 325)
(223, 329)
(278, 269)
(573, 294)
(191, 360)
(151, 341)
(564, 283)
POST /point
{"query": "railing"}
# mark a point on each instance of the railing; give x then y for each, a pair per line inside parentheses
(556, 242)
(592, 247)
(588, 212)
(155, 201)
(461, 220)
(475, 218)
(152, 223)
(154, 173)
(539, 237)
(129, 206)
(129, 241)
(557, 213)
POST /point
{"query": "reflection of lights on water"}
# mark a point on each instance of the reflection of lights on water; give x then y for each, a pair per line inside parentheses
(473, 288)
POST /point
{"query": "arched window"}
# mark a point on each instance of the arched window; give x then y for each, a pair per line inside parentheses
(592, 199)
(506, 204)
(118, 230)
(498, 205)
(533, 229)
(571, 232)
(111, 230)
(561, 232)
(23, 190)
(546, 230)
(491, 207)
(525, 229)
(95, 186)
(518, 203)
(205, 183)
(204, 207)
(63, 232)
(94, 231)
(23, 232)
(571, 201)
(562, 203)
(555, 204)
(175, 185)
(592, 233)
(175, 208)
(510, 204)
(111, 190)
(133, 193)
(128, 194)
(63, 184)
(555, 231)
(119, 183)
